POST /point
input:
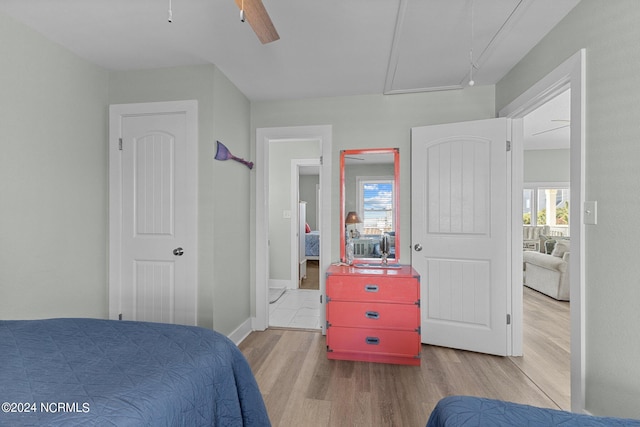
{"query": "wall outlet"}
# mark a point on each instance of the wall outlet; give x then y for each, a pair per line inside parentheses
(286, 214)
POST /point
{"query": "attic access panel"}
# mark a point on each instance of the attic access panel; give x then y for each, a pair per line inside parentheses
(433, 40)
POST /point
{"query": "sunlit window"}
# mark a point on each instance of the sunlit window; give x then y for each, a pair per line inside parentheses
(375, 200)
(550, 205)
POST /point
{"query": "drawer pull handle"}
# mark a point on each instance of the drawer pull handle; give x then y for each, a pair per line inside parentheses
(372, 340)
(371, 288)
(372, 315)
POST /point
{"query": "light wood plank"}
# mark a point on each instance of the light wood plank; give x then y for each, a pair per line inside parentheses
(302, 387)
(547, 337)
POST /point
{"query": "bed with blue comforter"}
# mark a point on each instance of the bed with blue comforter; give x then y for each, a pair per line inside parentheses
(312, 244)
(467, 411)
(87, 372)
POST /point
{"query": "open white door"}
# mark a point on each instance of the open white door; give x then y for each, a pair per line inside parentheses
(460, 222)
(153, 212)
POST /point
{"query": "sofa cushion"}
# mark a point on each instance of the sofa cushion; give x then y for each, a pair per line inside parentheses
(560, 248)
(545, 261)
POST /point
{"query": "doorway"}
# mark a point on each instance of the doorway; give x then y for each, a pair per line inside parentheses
(292, 207)
(568, 75)
(547, 215)
(266, 139)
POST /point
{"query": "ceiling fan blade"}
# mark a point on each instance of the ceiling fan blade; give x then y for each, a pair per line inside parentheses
(259, 20)
(550, 130)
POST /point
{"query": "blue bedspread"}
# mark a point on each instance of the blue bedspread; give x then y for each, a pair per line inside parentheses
(466, 411)
(80, 372)
(312, 243)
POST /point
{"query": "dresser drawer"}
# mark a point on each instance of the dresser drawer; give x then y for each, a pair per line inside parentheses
(373, 315)
(391, 343)
(379, 289)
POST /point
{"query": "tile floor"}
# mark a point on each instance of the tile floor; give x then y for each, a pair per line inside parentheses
(297, 308)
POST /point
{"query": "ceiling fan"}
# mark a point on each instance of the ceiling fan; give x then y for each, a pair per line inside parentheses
(254, 12)
(568, 123)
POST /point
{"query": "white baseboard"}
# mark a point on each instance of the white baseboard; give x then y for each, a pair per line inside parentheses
(257, 326)
(241, 332)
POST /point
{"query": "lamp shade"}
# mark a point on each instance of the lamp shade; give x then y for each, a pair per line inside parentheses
(352, 218)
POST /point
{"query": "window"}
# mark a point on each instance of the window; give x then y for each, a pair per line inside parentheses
(375, 201)
(550, 203)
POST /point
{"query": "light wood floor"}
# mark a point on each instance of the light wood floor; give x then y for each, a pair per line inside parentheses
(546, 334)
(312, 281)
(302, 387)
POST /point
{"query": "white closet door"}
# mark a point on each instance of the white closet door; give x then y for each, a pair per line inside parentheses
(459, 232)
(154, 247)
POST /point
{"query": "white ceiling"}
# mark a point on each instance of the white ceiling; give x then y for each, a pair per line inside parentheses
(548, 126)
(326, 47)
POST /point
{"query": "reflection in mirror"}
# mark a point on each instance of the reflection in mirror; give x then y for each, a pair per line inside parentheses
(369, 205)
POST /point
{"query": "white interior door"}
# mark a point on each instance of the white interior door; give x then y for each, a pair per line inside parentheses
(155, 245)
(459, 229)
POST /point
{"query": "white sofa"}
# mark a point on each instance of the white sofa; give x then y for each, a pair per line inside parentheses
(548, 273)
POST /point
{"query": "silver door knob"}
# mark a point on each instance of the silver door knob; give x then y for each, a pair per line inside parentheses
(418, 247)
(178, 251)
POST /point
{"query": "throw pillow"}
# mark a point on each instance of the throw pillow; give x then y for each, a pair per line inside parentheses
(549, 245)
(307, 229)
(544, 243)
(562, 246)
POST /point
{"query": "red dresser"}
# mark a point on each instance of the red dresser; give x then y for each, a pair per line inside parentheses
(373, 315)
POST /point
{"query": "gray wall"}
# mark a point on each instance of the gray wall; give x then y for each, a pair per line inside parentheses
(53, 179)
(610, 32)
(546, 166)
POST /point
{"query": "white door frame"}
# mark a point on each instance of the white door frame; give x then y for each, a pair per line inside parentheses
(117, 111)
(570, 74)
(295, 198)
(263, 136)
